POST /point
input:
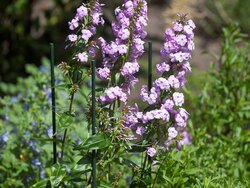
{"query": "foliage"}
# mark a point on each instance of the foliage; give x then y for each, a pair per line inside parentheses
(27, 27)
(220, 13)
(219, 124)
(26, 132)
(225, 99)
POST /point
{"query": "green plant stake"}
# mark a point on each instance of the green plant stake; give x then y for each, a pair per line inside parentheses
(52, 62)
(149, 65)
(93, 113)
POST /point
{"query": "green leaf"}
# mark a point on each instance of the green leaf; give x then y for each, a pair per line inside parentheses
(126, 162)
(42, 184)
(57, 174)
(62, 86)
(192, 171)
(85, 160)
(97, 141)
(65, 121)
(49, 140)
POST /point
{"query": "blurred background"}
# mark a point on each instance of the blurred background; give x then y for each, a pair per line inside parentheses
(28, 26)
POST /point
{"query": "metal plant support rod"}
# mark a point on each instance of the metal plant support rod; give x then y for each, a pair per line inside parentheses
(93, 113)
(150, 60)
(149, 65)
(52, 62)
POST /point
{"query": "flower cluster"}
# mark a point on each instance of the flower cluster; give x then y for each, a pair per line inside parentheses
(113, 93)
(120, 55)
(87, 18)
(165, 101)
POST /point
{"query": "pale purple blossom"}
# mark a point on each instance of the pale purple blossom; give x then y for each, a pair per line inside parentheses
(140, 130)
(162, 83)
(149, 97)
(122, 49)
(177, 27)
(186, 139)
(72, 37)
(151, 151)
(112, 94)
(82, 57)
(86, 34)
(191, 23)
(162, 67)
(124, 34)
(181, 117)
(162, 114)
(173, 81)
(172, 133)
(130, 68)
(168, 104)
(81, 12)
(103, 73)
(178, 98)
(73, 24)
(181, 40)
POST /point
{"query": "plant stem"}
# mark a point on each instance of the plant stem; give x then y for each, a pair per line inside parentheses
(144, 164)
(158, 171)
(65, 131)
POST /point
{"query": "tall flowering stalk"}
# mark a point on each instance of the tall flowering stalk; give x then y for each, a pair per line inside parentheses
(120, 56)
(83, 27)
(160, 122)
(158, 125)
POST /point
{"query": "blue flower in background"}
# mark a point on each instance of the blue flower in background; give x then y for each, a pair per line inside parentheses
(43, 69)
(25, 106)
(5, 137)
(34, 124)
(78, 141)
(50, 132)
(36, 162)
(33, 146)
(13, 100)
(6, 117)
(42, 174)
(48, 93)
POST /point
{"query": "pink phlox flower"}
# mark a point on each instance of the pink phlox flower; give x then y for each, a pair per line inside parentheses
(169, 34)
(186, 139)
(173, 81)
(151, 151)
(129, 68)
(81, 12)
(191, 24)
(186, 66)
(162, 83)
(181, 40)
(86, 34)
(172, 133)
(178, 98)
(168, 104)
(140, 130)
(72, 37)
(177, 27)
(162, 67)
(73, 24)
(123, 34)
(181, 117)
(122, 49)
(82, 57)
(103, 73)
